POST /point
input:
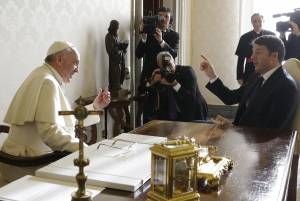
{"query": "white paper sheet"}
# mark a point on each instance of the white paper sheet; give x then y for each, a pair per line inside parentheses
(122, 163)
(31, 188)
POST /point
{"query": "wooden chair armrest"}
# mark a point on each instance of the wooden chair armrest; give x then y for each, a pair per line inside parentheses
(32, 161)
(4, 129)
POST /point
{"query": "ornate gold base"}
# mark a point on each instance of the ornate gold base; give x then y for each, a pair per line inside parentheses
(210, 171)
(187, 197)
(86, 197)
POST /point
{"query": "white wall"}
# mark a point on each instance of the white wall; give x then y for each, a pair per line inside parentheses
(215, 33)
(28, 27)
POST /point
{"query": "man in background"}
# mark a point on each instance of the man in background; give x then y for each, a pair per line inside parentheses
(163, 38)
(292, 45)
(174, 92)
(245, 66)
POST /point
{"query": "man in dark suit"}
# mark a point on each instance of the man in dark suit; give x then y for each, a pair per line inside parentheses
(292, 45)
(174, 91)
(269, 99)
(164, 39)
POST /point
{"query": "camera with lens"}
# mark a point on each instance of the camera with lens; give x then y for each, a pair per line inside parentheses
(151, 23)
(166, 69)
(284, 26)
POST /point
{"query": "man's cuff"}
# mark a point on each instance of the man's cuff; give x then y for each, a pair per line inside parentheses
(213, 80)
(177, 87)
(162, 44)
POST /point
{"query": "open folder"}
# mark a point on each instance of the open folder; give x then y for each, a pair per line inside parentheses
(123, 162)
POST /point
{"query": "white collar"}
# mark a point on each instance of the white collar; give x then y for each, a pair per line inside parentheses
(55, 73)
(269, 73)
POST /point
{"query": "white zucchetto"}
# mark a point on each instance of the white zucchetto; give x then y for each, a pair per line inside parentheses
(58, 46)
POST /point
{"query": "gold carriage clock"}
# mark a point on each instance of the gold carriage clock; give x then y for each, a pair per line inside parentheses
(174, 171)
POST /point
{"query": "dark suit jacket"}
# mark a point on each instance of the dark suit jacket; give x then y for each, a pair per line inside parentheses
(273, 105)
(292, 46)
(192, 105)
(151, 48)
(186, 104)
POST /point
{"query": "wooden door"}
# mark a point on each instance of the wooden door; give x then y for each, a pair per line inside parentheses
(151, 7)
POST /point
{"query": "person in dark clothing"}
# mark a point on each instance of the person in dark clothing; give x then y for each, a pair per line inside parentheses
(269, 99)
(174, 92)
(245, 65)
(164, 39)
(115, 51)
(292, 45)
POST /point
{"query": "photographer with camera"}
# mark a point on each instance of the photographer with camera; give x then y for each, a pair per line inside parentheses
(245, 66)
(116, 51)
(292, 45)
(174, 93)
(156, 36)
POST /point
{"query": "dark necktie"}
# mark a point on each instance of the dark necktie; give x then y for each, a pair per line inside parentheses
(256, 88)
(260, 81)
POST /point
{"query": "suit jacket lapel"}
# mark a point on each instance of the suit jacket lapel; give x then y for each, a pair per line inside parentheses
(248, 90)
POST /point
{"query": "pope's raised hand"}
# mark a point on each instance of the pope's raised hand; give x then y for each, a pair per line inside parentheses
(102, 99)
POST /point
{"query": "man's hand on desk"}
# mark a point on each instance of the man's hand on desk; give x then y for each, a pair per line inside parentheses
(102, 100)
(222, 122)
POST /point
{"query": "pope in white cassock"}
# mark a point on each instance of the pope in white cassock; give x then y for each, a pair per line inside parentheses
(35, 126)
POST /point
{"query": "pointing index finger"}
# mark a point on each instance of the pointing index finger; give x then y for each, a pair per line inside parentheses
(203, 57)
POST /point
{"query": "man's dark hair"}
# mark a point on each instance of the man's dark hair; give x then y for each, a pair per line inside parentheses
(257, 14)
(273, 44)
(164, 9)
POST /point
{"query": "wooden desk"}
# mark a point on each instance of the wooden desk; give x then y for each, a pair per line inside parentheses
(262, 160)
